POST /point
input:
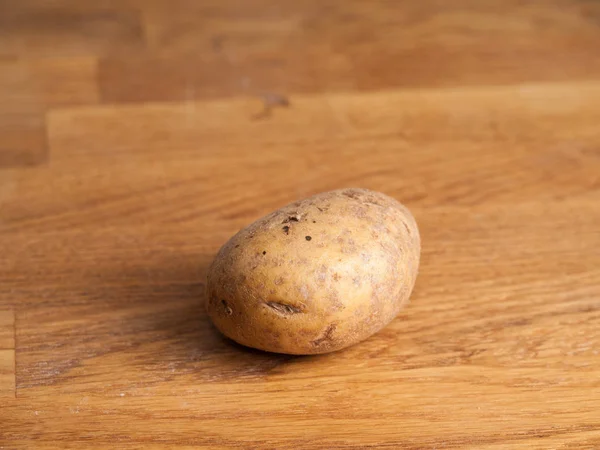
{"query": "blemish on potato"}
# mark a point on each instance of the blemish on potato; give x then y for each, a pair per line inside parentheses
(304, 292)
(227, 308)
(295, 217)
(352, 193)
(334, 298)
(322, 274)
(283, 308)
(326, 336)
(371, 200)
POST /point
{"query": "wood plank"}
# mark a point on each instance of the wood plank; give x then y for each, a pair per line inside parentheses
(39, 28)
(29, 89)
(503, 114)
(62, 82)
(7, 374)
(144, 290)
(7, 354)
(203, 75)
(511, 139)
(213, 49)
(22, 126)
(7, 329)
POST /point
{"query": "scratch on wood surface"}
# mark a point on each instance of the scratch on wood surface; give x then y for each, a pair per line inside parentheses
(271, 100)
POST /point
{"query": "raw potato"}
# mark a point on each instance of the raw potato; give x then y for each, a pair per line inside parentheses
(317, 275)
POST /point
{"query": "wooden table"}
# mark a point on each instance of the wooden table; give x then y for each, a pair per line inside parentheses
(136, 136)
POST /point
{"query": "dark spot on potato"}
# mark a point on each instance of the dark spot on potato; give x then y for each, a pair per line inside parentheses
(283, 308)
(360, 212)
(264, 252)
(228, 310)
(237, 245)
(308, 238)
(326, 336)
(314, 221)
(336, 277)
(292, 218)
(351, 193)
(372, 201)
(286, 229)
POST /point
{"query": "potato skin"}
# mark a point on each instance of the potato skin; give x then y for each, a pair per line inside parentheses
(317, 275)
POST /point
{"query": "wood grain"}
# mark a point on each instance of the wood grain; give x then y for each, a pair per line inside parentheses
(7, 354)
(221, 48)
(41, 28)
(137, 136)
(7, 330)
(30, 88)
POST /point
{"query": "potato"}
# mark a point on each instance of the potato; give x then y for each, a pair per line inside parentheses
(317, 275)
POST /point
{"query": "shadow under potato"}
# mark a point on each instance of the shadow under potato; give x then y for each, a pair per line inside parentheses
(193, 345)
(144, 322)
(169, 315)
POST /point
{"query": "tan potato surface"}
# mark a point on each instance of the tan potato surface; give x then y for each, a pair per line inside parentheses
(317, 275)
